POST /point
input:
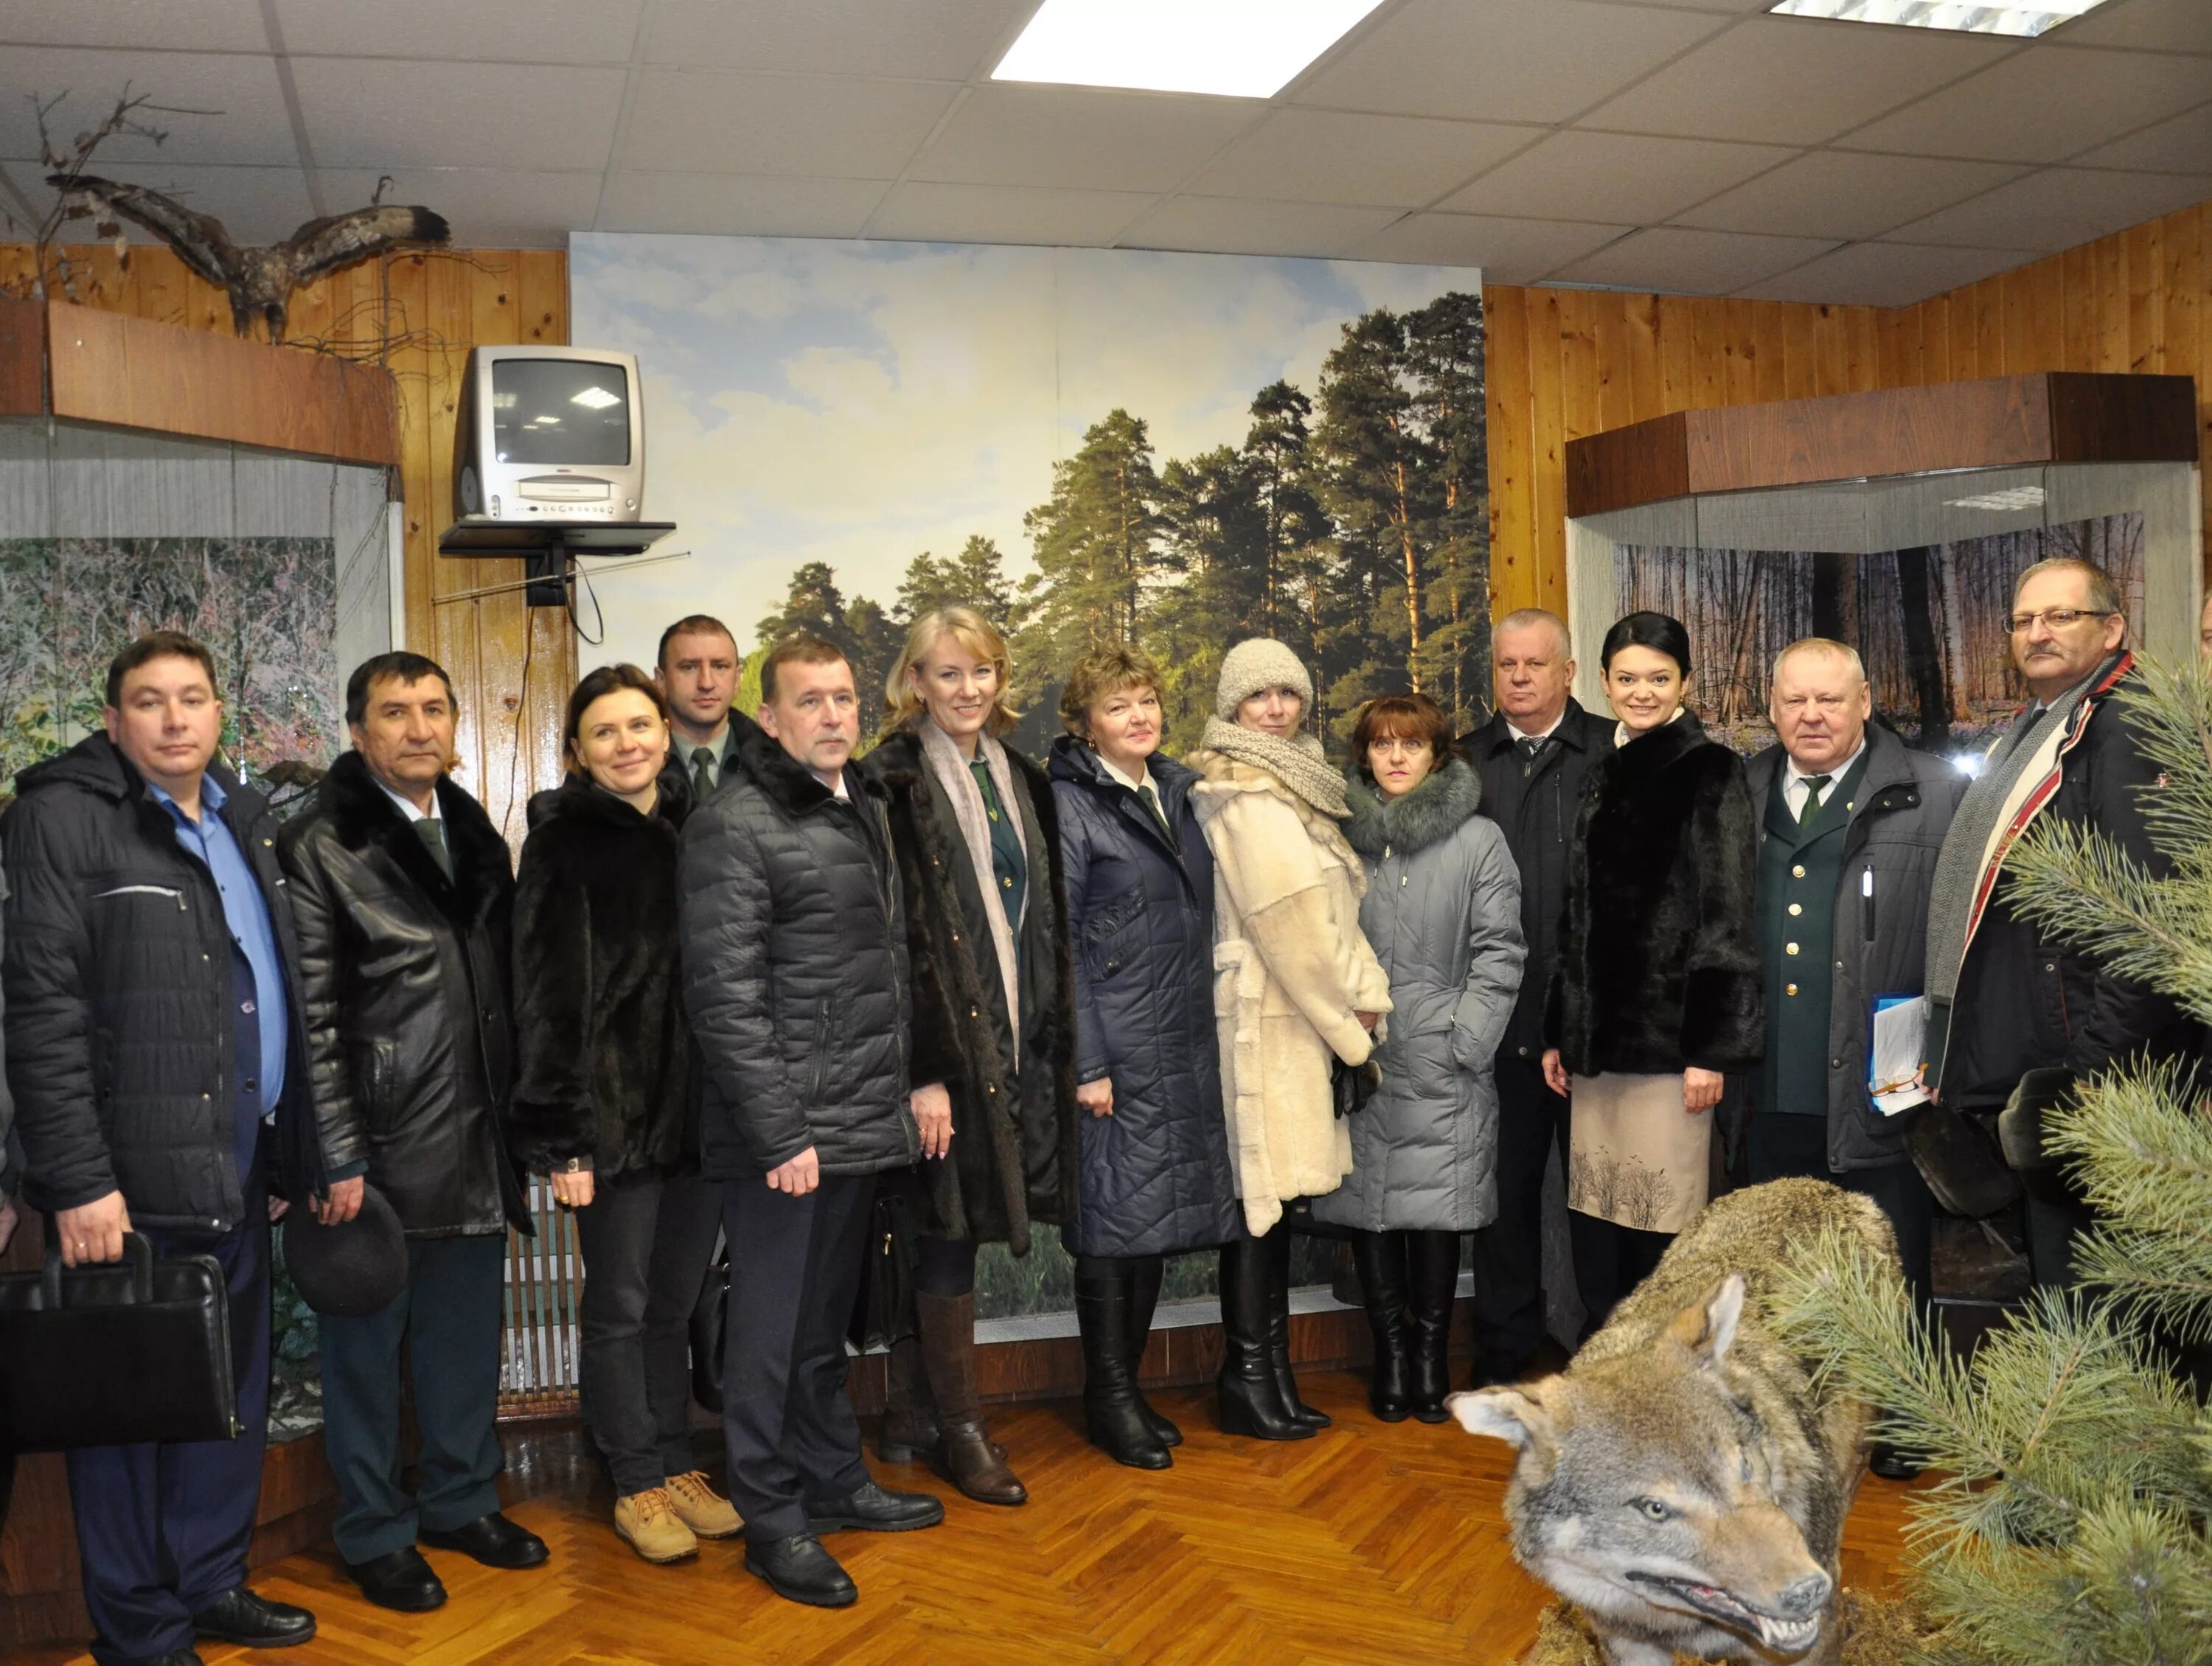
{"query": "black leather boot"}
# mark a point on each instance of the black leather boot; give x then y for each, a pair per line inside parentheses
(1111, 1413)
(1146, 1273)
(1431, 1281)
(1381, 1258)
(1277, 1245)
(1251, 1404)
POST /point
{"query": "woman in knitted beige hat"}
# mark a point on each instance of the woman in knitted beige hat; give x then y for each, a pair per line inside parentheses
(1296, 989)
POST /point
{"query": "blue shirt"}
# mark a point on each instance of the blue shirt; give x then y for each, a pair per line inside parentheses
(246, 915)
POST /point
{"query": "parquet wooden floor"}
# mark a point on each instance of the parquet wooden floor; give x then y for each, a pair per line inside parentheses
(1371, 1545)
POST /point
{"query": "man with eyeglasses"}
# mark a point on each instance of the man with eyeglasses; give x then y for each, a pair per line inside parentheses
(2005, 1002)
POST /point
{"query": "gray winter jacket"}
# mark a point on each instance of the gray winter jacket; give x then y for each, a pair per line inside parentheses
(1442, 911)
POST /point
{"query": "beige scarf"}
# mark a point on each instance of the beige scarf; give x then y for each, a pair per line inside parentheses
(1299, 763)
(959, 783)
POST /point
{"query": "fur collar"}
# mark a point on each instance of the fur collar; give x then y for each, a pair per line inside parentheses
(896, 761)
(1659, 748)
(1429, 814)
(581, 802)
(363, 813)
(794, 788)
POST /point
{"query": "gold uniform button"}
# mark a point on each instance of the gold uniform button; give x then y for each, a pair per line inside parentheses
(1788, 949)
(1797, 872)
(1790, 989)
(1796, 908)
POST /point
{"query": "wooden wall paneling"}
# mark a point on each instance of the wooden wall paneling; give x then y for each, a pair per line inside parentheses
(1678, 344)
(1548, 447)
(23, 358)
(2146, 266)
(1609, 339)
(2180, 339)
(1511, 417)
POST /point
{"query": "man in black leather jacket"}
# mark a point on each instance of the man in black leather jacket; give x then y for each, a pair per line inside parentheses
(403, 890)
(796, 978)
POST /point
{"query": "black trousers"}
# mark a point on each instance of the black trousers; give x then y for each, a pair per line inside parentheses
(1508, 1253)
(646, 1241)
(1610, 1261)
(1781, 1145)
(163, 1530)
(795, 1267)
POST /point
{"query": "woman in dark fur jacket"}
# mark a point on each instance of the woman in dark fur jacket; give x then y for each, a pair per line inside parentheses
(977, 837)
(1657, 992)
(606, 1100)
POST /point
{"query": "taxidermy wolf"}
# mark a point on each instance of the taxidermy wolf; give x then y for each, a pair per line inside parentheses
(1683, 1482)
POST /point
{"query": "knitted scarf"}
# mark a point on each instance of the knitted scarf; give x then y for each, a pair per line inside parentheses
(958, 782)
(1299, 763)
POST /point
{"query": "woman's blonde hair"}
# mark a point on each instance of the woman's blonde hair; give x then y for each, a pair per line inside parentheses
(1098, 672)
(903, 706)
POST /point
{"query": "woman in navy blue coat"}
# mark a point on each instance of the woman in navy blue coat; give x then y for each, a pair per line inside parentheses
(1154, 1178)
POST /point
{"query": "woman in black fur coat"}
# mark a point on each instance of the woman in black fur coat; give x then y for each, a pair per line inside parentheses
(1657, 992)
(976, 836)
(607, 1101)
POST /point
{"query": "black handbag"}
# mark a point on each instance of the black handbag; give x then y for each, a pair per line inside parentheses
(117, 1354)
(883, 1312)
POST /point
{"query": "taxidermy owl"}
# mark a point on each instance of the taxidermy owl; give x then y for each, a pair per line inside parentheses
(259, 281)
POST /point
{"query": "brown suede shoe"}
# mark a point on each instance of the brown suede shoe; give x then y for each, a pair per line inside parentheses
(701, 1508)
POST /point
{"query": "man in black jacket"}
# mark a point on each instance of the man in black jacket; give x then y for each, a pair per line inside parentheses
(796, 978)
(403, 891)
(1531, 757)
(2004, 1001)
(160, 1074)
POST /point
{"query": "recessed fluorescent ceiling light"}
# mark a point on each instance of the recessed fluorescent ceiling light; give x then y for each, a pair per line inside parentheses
(1239, 49)
(596, 399)
(2028, 19)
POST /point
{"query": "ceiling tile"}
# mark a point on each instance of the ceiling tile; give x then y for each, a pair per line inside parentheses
(1508, 250)
(207, 26)
(943, 40)
(255, 204)
(812, 125)
(2183, 145)
(2169, 26)
(2043, 104)
(488, 207)
(2058, 208)
(1081, 136)
(221, 110)
(1838, 193)
(731, 204)
(381, 114)
(509, 31)
(1233, 226)
(1794, 81)
(924, 212)
(1501, 60)
(1883, 274)
(1319, 156)
(1612, 176)
(1677, 261)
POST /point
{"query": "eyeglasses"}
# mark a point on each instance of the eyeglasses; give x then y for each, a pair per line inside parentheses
(2058, 618)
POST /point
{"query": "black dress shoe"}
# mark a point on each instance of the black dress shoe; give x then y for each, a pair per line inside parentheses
(874, 1509)
(402, 1581)
(240, 1616)
(797, 1568)
(492, 1539)
(1885, 1461)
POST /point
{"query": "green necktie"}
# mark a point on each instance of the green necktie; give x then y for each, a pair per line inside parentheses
(1814, 787)
(702, 774)
(1152, 804)
(432, 831)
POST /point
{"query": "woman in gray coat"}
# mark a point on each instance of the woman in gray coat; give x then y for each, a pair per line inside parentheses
(1442, 911)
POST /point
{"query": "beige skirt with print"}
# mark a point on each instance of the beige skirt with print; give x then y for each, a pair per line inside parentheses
(1635, 1156)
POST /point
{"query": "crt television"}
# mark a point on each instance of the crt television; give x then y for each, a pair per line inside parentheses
(550, 433)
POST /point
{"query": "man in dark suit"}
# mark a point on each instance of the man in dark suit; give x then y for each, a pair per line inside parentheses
(697, 670)
(1531, 757)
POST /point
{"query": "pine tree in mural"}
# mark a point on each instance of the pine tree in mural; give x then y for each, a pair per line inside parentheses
(2070, 1529)
(1097, 541)
(975, 578)
(1443, 363)
(814, 604)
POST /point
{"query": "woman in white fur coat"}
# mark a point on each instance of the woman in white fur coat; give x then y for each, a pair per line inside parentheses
(1296, 988)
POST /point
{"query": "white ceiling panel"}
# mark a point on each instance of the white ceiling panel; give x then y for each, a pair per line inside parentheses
(1501, 60)
(488, 207)
(1833, 193)
(1508, 250)
(2169, 26)
(2058, 208)
(1693, 263)
(1883, 274)
(729, 204)
(2042, 104)
(924, 210)
(1321, 156)
(2183, 145)
(1233, 226)
(1612, 176)
(810, 125)
(927, 40)
(1081, 137)
(221, 110)
(205, 26)
(381, 114)
(1794, 81)
(255, 204)
(512, 31)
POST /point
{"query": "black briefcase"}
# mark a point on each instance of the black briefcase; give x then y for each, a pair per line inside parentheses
(133, 1350)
